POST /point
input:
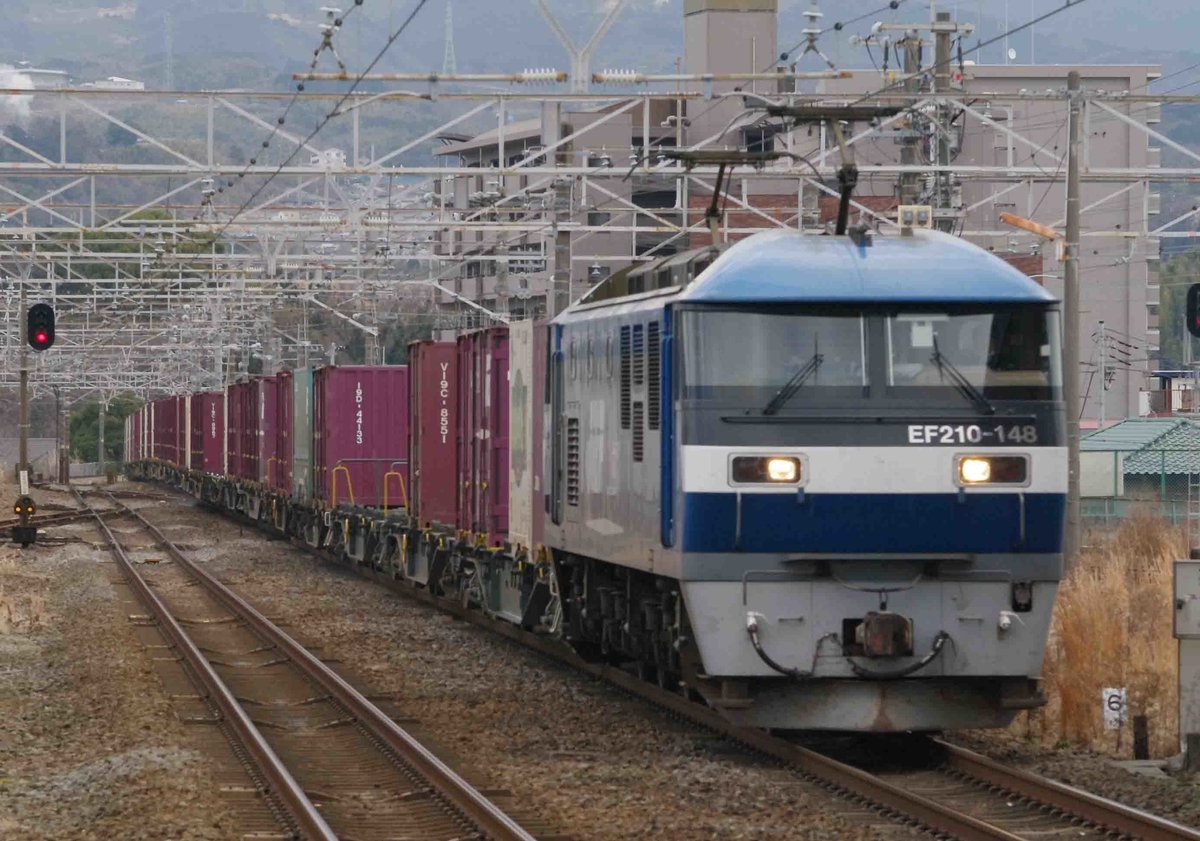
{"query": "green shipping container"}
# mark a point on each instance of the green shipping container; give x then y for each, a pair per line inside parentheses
(302, 434)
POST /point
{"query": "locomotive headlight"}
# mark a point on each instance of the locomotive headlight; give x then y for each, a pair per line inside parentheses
(992, 470)
(765, 470)
(783, 470)
(975, 471)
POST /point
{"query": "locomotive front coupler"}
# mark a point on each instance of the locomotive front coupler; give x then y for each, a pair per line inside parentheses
(885, 634)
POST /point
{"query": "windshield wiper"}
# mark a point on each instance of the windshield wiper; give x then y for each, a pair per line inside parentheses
(961, 384)
(794, 384)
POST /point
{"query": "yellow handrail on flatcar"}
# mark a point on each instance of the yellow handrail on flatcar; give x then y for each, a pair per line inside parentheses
(341, 468)
(403, 489)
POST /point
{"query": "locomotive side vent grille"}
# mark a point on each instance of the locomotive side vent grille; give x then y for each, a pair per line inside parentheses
(626, 385)
(639, 355)
(639, 432)
(653, 375)
(573, 462)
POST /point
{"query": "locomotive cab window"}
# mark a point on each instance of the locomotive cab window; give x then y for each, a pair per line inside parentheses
(1002, 353)
(773, 361)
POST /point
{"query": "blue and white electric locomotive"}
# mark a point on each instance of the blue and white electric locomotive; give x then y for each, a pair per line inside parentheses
(820, 483)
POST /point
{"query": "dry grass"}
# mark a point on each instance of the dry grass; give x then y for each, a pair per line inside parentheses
(1113, 627)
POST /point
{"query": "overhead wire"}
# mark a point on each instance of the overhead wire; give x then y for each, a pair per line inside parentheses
(326, 44)
(334, 112)
(1068, 4)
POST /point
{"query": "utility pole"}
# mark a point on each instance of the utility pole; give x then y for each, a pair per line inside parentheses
(1071, 315)
(58, 430)
(941, 80)
(100, 453)
(23, 451)
(64, 453)
(909, 181)
(1103, 371)
(552, 131)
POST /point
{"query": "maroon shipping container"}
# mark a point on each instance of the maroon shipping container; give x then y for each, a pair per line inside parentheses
(281, 471)
(251, 429)
(360, 423)
(208, 432)
(267, 415)
(165, 425)
(240, 463)
(483, 421)
(156, 420)
(433, 443)
(183, 432)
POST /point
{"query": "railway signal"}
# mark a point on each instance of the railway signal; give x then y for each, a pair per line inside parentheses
(40, 322)
(1193, 309)
(24, 533)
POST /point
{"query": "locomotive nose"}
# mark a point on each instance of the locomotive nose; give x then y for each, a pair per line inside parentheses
(916, 500)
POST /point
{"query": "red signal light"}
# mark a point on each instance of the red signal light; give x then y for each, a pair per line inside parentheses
(40, 327)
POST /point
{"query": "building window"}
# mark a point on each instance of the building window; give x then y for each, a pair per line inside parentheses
(758, 140)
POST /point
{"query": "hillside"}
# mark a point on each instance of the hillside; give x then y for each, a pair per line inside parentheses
(243, 43)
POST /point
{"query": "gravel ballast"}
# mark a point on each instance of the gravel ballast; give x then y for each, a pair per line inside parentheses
(89, 745)
(591, 761)
(1174, 796)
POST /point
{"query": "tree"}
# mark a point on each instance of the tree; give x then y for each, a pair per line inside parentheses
(117, 136)
(1178, 273)
(399, 336)
(85, 428)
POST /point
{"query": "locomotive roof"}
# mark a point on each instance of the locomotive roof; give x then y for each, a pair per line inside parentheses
(927, 267)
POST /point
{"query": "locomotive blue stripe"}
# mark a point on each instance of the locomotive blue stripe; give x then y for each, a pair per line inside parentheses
(875, 523)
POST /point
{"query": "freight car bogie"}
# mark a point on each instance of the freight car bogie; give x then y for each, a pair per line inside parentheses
(515, 589)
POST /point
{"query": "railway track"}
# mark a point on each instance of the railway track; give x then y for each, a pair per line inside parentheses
(333, 763)
(946, 790)
(58, 518)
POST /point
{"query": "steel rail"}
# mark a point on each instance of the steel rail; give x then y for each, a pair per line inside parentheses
(844, 779)
(1083, 804)
(57, 518)
(464, 797)
(890, 797)
(282, 783)
(892, 800)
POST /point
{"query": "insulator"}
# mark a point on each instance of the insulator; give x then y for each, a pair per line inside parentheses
(619, 77)
(540, 76)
